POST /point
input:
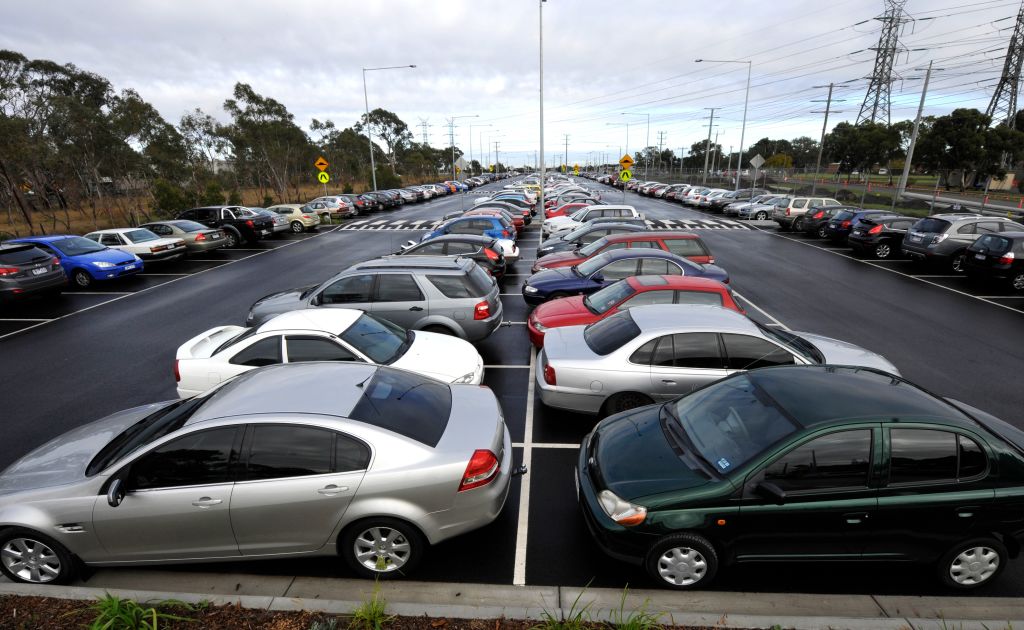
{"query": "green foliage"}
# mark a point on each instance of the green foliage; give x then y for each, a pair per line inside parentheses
(235, 198)
(213, 195)
(386, 179)
(168, 199)
(634, 619)
(114, 613)
(371, 614)
(267, 201)
(347, 189)
(578, 617)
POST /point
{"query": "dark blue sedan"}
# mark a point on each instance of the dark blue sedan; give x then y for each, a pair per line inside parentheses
(604, 269)
(85, 261)
(478, 225)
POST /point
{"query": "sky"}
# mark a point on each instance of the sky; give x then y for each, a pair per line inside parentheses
(606, 63)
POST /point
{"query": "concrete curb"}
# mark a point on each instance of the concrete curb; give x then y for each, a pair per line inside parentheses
(476, 601)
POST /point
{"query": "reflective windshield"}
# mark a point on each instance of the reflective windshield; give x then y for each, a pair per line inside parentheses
(793, 343)
(594, 247)
(590, 266)
(578, 215)
(603, 300)
(189, 226)
(76, 246)
(608, 335)
(378, 339)
(141, 236)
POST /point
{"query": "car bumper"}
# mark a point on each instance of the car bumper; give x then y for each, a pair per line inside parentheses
(560, 398)
(284, 227)
(171, 254)
(480, 329)
(534, 299)
(15, 289)
(199, 247)
(784, 221)
(118, 272)
(918, 252)
(536, 336)
(613, 539)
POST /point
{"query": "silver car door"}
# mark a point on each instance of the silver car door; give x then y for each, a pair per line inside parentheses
(177, 500)
(684, 361)
(355, 291)
(399, 299)
(295, 485)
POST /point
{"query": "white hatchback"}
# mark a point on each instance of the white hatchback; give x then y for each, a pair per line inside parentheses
(141, 242)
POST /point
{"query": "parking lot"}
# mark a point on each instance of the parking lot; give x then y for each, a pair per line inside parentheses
(940, 332)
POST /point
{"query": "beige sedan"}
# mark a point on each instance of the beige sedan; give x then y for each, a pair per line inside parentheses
(300, 220)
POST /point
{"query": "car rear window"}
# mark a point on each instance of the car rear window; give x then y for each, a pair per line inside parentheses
(994, 244)
(475, 284)
(189, 226)
(931, 224)
(21, 255)
(408, 404)
(608, 335)
(843, 215)
(686, 246)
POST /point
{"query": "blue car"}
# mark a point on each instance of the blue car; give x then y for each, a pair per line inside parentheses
(86, 261)
(478, 225)
(611, 266)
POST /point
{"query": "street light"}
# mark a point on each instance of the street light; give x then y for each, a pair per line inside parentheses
(369, 129)
(451, 136)
(648, 160)
(471, 143)
(746, 100)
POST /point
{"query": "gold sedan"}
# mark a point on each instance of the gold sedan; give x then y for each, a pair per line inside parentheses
(300, 217)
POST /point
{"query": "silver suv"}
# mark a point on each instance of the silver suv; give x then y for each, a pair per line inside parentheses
(943, 239)
(448, 296)
(785, 213)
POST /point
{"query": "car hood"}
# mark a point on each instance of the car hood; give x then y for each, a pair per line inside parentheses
(714, 272)
(114, 256)
(282, 301)
(838, 352)
(559, 275)
(568, 308)
(635, 458)
(559, 259)
(63, 459)
(443, 357)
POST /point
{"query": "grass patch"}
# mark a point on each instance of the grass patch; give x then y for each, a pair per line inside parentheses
(115, 613)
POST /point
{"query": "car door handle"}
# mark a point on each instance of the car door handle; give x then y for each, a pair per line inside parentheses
(668, 381)
(856, 518)
(416, 308)
(332, 490)
(966, 511)
(206, 502)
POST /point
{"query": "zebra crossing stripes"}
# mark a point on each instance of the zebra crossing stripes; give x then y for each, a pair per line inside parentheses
(655, 224)
(398, 224)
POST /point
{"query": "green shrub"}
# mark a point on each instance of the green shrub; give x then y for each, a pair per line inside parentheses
(114, 613)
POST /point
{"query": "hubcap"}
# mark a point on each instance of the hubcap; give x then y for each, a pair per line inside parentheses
(974, 565)
(822, 231)
(882, 251)
(682, 566)
(296, 227)
(382, 549)
(30, 560)
(1018, 282)
(958, 263)
(82, 279)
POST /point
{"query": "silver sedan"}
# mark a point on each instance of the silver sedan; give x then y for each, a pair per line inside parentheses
(654, 353)
(318, 459)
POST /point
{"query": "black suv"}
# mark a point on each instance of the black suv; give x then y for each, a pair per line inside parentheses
(238, 222)
(485, 250)
(880, 236)
(998, 257)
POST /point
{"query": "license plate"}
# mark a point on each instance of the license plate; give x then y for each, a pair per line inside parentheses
(215, 237)
(980, 256)
(833, 225)
(915, 239)
(857, 232)
(265, 232)
(129, 267)
(39, 271)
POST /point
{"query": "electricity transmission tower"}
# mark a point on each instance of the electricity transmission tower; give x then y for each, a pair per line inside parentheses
(1003, 107)
(876, 106)
(424, 124)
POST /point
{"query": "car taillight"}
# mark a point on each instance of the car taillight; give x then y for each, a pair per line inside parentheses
(787, 212)
(482, 310)
(177, 374)
(55, 262)
(306, 216)
(491, 254)
(504, 233)
(875, 230)
(8, 271)
(818, 214)
(200, 237)
(549, 375)
(250, 223)
(483, 467)
(1006, 259)
(844, 224)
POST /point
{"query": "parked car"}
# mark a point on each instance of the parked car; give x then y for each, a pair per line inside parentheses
(841, 224)
(198, 238)
(238, 223)
(785, 464)
(299, 220)
(141, 242)
(484, 250)
(943, 239)
(359, 205)
(880, 236)
(786, 212)
(280, 223)
(367, 462)
(733, 209)
(490, 226)
(85, 261)
(685, 244)
(814, 222)
(604, 269)
(335, 334)
(515, 220)
(587, 234)
(334, 207)
(449, 296)
(579, 310)
(568, 223)
(27, 270)
(998, 257)
(738, 196)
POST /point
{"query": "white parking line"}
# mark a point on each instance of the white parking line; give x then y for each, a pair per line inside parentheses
(1001, 297)
(165, 274)
(929, 276)
(762, 311)
(506, 367)
(23, 319)
(96, 292)
(220, 260)
(523, 525)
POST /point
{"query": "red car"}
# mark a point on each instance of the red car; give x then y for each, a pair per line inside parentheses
(517, 221)
(578, 310)
(565, 210)
(685, 244)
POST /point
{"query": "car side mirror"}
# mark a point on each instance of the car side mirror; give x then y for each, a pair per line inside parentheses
(597, 277)
(317, 299)
(115, 493)
(769, 490)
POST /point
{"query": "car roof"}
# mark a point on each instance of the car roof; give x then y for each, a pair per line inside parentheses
(440, 263)
(49, 238)
(668, 317)
(114, 230)
(460, 238)
(605, 225)
(604, 206)
(632, 236)
(638, 252)
(676, 283)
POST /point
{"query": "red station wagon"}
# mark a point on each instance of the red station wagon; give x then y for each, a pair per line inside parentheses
(565, 210)
(685, 244)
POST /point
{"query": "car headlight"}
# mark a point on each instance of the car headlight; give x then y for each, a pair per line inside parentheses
(542, 268)
(469, 377)
(103, 265)
(538, 326)
(137, 259)
(529, 289)
(621, 511)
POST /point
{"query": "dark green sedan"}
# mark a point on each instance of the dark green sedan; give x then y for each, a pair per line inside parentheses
(801, 464)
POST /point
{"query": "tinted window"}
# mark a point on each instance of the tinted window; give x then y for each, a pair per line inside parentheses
(619, 269)
(350, 454)
(610, 334)
(263, 352)
(162, 230)
(110, 239)
(315, 349)
(645, 353)
(748, 353)
(931, 225)
(464, 227)
(606, 298)
(289, 451)
(712, 298)
(837, 460)
(658, 267)
(690, 350)
(459, 286)
(968, 228)
(76, 246)
(921, 455)
(430, 249)
(647, 244)
(988, 227)
(407, 404)
(461, 248)
(398, 287)
(196, 459)
(972, 458)
(353, 289)
(22, 255)
(685, 247)
(995, 244)
(647, 298)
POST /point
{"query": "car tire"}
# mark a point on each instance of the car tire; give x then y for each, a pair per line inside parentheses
(761, 216)
(81, 279)
(624, 401)
(798, 225)
(231, 238)
(441, 330)
(297, 227)
(48, 563)
(972, 563)
(822, 231)
(382, 548)
(958, 261)
(1017, 281)
(882, 251)
(682, 561)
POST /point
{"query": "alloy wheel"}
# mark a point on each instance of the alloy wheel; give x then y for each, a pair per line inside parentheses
(822, 231)
(761, 216)
(31, 560)
(1018, 282)
(958, 262)
(82, 279)
(382, 549)
(974, 565)
(297, 227)
(883, 251)
(682, 566)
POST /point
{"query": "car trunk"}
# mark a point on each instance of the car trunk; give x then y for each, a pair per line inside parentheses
(26, 262)
(987, 251)
(922, 233)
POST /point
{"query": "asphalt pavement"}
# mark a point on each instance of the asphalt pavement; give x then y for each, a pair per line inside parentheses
(94, 353)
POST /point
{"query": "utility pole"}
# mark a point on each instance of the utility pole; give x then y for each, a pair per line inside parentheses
(714, 162)
(1003, 107)
(424, 124)
(497, 166)
(540, 13)
(682, 154)
(913, 141)
(451, 140)
(661, 143)
(824, 126)
(566, 152)
(729, 167)
(876, 107)
(707, 146)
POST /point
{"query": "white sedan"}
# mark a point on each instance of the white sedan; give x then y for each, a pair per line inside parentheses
(335, 334)
(141, 242)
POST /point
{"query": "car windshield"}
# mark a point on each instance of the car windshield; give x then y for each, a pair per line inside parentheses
(793, 343)
(141, 236)
(77, 246)
(587, 267)
(405, 403)
(844, 215)
(602, 301)
(578, 233)
(378, 339)
(730, 422)
(608, 335)
(594, 247)
(578, 215)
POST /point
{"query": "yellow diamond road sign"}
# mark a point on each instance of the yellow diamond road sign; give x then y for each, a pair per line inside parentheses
(321, 163)
(323, 177)
(626, 162)
(626, 175)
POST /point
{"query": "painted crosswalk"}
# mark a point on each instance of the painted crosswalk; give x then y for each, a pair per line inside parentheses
(654, 224)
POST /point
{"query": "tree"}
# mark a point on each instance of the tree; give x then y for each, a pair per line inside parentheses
(804, 151)
(859, 147)
(962, 143)
(391, 129)
(779, 160)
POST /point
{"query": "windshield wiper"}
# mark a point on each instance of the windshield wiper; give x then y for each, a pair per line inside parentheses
(590, 307)
(576, 271)
(678, 431)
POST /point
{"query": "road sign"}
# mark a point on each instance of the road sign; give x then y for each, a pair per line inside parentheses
(576, 169)
(626, 175)
(626, 162)
(757, 161)
(323, 177)
(321, 164)
(491, 168)
(458, 169)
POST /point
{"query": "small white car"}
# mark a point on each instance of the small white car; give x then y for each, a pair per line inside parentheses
(565, 224)
(330, 334)
(141, 242)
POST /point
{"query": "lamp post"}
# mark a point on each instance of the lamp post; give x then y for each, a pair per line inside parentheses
(369, 128)
(451, 136)
(521, 579)
(471, 143)
(647, 161)
(746, 101)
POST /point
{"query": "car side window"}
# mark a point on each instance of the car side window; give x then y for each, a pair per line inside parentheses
(266, 351)
(397, 287)
(619, 269)
(199, 458)
(689, 350)
(188, 214)
(655, 266)
(744, 352)
(461, 248)
(462, 227)
(988, 227)
(348, 290)
(972, 460)
(307, 348)
(646, 244)
(590, 237)
(227, 214)
(110, 240)
(162, 230)
(350, 454)
(647, 298)
(430, 249)
(1010, 226)
(835, 461)
(282, 451)
(967, 228)
(799, 202)
(922, 456)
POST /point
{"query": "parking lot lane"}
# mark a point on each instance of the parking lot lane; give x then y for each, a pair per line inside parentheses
(8, 326)
(514, 307)
(509, 385)
(556, 426)
(508, 345)
(187, 266)
(66, 304)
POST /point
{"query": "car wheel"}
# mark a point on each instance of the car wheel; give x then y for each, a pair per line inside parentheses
(625, 401)
(882, 251)
(682, 561)
(822, 231)
(1017, 282)
(382, 547)
(441, 330)
(958, 262)
(31, 558)
(761, 216)
(798, 226)
(230, 239)
(297, 227)
(972, 563)
(81, 278)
